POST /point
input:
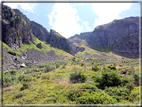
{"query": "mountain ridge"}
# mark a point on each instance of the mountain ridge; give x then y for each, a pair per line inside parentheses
(20, 34)
(114, 35)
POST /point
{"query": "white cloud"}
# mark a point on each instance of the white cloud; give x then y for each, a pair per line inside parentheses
(87, 27)
(107, 12)
(25, 6)
(64, 19)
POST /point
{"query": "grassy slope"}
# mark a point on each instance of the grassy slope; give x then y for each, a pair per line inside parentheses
(46, 48)
(90, 51)
(56, 89)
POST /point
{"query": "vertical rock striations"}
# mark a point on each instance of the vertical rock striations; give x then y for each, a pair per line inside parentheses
(58, 41)
(119, 36)
(16, 28)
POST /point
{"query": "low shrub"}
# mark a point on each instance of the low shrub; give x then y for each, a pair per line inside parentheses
(25, 86)
(64, 66)
(82, 64)
(112, 67)
(119, 93)
(90, 97)
(108, 78)
(21, 77)
(136, 79)
(27, 79)
(9, 79)
(73, 59)
(124, 81)
(95, 67)
(77, 77)
(49, 67)
(45, 77)
(13, 72)
(96, 98)
(135, 95)
(130, 86)
(58, 65)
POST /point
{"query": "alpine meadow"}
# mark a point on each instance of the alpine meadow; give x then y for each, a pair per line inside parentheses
(43, 67)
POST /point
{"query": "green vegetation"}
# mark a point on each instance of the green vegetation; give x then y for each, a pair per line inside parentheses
(108, 78)
(78, 77)
(58, 65)
(95, 67)
(88, 77)
(13, 72)
(64, 83)
(45, 77)
(25, 86)
(73, 59)
(49, 67)
(12, 52)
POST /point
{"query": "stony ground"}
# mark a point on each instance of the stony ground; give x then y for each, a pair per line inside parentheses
(32, 56)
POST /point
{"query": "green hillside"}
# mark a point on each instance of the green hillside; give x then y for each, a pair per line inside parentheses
(74, 82)
(45, 48)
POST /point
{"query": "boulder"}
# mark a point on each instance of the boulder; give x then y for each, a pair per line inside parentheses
(22, 65)
(39, 46)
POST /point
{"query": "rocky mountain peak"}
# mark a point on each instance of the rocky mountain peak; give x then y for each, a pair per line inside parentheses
(39, 31)
(119, 36)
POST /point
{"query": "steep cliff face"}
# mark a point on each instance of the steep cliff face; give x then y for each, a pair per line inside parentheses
(16, 28)
(39, 31)
(119, 36)
(56, 40)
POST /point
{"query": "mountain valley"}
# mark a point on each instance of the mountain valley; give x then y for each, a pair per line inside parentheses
(42, 67)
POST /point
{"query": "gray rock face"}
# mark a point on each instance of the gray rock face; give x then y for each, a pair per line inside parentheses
(16, 28)
(39, 31)
(120, 36)
(81, 49)
(56, 40)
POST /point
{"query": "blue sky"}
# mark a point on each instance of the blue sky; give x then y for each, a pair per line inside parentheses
(69, 19)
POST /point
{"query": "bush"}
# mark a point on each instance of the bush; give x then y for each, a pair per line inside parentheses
(27, 79)
(58, 65)
(136, 79)
(130, 86)
(64, 66)
(9, 79)
(112, 67)
(96, 98)
(45, 77)
(19, 95)
(73, 59)
(95, 68)
(108, 78)
(90, 97)
(135, 95)
(21, 77)
(25, 86)
(119, 93)
(82, 64)
(13, 72)
(49, 68)
(78, 77)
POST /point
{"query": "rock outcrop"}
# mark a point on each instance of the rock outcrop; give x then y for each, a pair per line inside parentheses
(39, 46)
(16, 28)
(119, 36)
(40, 32)
(58, 41)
